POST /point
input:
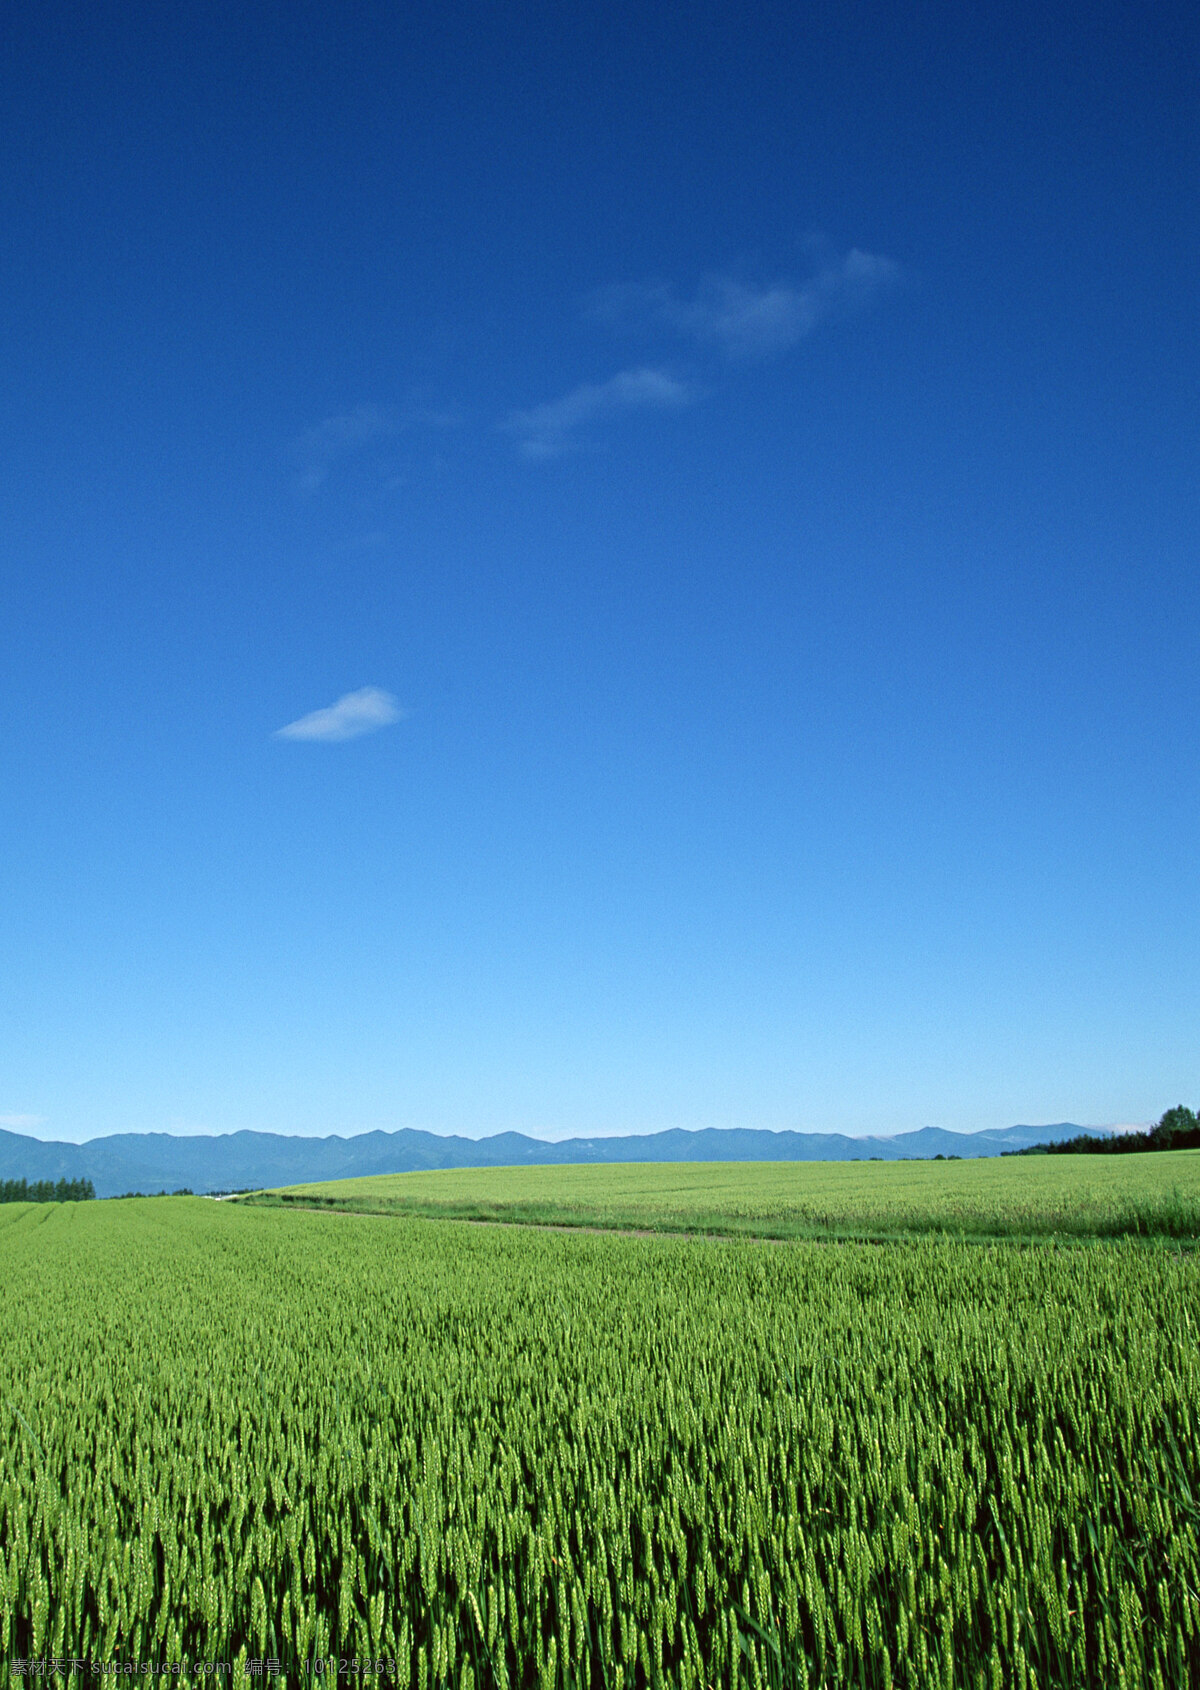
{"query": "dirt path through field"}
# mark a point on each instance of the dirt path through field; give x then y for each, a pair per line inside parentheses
(548, 1226)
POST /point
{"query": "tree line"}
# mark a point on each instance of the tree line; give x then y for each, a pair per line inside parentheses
(1179, 1129)
(46, 1190)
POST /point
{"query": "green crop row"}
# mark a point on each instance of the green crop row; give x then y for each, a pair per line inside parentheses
(485, 1456)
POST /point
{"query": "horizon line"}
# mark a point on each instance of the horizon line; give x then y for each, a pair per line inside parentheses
(573, 1137)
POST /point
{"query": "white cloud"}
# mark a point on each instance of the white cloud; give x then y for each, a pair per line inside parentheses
(746, 319)
(339, 437)
(343, 436)
(21, 1123)
(548, 430)
(355, 713)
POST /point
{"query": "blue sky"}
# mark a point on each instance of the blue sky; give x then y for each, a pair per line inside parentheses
(592, 568)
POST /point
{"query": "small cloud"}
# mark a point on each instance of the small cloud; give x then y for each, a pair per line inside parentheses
(355, 713)
(339, 437)
(343, 436)
(549, 430)
(746, 320)
(21, 1123)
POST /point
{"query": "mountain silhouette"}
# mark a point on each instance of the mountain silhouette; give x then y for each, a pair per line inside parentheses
(153, 1162)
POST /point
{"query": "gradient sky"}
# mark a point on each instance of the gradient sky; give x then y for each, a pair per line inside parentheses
(708, 494)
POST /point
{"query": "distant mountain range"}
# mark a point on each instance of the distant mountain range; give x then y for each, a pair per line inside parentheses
(153, 1162)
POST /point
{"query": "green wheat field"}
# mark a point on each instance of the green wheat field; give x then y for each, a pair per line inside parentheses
(1012, 1196)
(397, 1449)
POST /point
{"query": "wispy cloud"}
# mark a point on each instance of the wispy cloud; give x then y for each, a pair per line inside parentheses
(548, 430)
(355, 713)
(21, 1123)
(747, 319)
(331, 442)
(320, 448)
